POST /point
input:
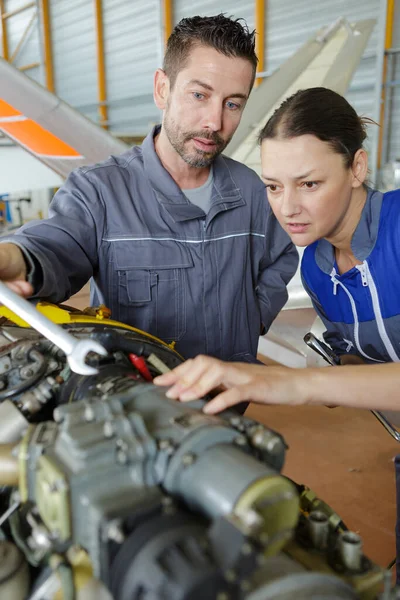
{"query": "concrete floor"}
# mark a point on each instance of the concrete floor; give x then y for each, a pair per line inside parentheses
(344, 455)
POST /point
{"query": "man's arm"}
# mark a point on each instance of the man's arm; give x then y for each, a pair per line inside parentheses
(13, 269)
(64, 247)
(276, 270)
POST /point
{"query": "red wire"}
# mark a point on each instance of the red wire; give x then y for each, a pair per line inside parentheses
(140, 364)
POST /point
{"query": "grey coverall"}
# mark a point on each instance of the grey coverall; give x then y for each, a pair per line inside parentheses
(209, 282)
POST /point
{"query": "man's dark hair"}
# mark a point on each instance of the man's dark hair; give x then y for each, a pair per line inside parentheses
(323, 113)
(224, 34)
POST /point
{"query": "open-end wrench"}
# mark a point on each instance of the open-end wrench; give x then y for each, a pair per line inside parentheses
(331, 358)
(76, 350)
(322, 349)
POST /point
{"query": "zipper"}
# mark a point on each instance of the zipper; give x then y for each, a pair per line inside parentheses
(336, 282)
(363, 272)
(203, 235)
(349, 346)
(366, 274)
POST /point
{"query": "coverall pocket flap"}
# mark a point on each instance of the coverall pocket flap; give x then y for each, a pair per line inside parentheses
(152, 254)
(138, 286)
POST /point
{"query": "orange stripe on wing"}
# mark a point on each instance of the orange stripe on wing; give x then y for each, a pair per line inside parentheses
(6, 110)
(38, 139)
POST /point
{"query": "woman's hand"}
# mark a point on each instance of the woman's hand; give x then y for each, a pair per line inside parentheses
(241, 382)
(360, 386)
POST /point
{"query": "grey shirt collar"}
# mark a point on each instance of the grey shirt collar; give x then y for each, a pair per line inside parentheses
(364, 236)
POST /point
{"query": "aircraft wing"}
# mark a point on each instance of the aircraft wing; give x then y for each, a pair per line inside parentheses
(328, 59)
(48, 128)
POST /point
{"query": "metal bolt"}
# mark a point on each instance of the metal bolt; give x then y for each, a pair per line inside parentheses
(122, 457)
(108, 429)
(258, 437)
(318, 527)
(265, 440)
(56, 486)
(251, 518)
(164, 445)
(246, 549)
(350, 549)
(230, 576)
(240, 440)
(26, 373)
(89, 414)
(274, 444)
(5, 365)
(115, 533)
(57, 416)
(40, 538)
(188, 459)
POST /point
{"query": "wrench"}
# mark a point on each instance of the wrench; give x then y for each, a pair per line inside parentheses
(331, 358)
(75, 350)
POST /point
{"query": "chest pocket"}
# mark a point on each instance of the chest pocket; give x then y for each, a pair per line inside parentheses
(153, 286)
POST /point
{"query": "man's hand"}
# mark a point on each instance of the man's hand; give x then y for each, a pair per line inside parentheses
(242, 382)
(13, 269)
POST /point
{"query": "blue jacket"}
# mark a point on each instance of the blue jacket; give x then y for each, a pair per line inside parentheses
(361, 308)
(208, 282)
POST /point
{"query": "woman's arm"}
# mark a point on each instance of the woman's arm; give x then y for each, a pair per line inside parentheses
(359, 386)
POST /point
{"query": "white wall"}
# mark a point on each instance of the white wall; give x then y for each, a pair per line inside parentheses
(37, 208)
(22, 175)
(21, 171)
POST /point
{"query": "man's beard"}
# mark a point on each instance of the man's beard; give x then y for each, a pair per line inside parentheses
(196, 158)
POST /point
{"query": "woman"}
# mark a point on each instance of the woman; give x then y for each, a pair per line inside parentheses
(314, 167)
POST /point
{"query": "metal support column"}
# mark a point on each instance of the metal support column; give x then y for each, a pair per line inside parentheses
(101, 69)
(260, 35)
(388, 45)
(48, 55)
(3, 25)
(168, 19)
(373, 133)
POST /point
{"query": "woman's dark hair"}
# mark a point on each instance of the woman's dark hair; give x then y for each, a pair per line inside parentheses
(228, 36)
(323, 113)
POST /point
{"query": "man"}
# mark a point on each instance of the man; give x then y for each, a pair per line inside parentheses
(179, 240)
